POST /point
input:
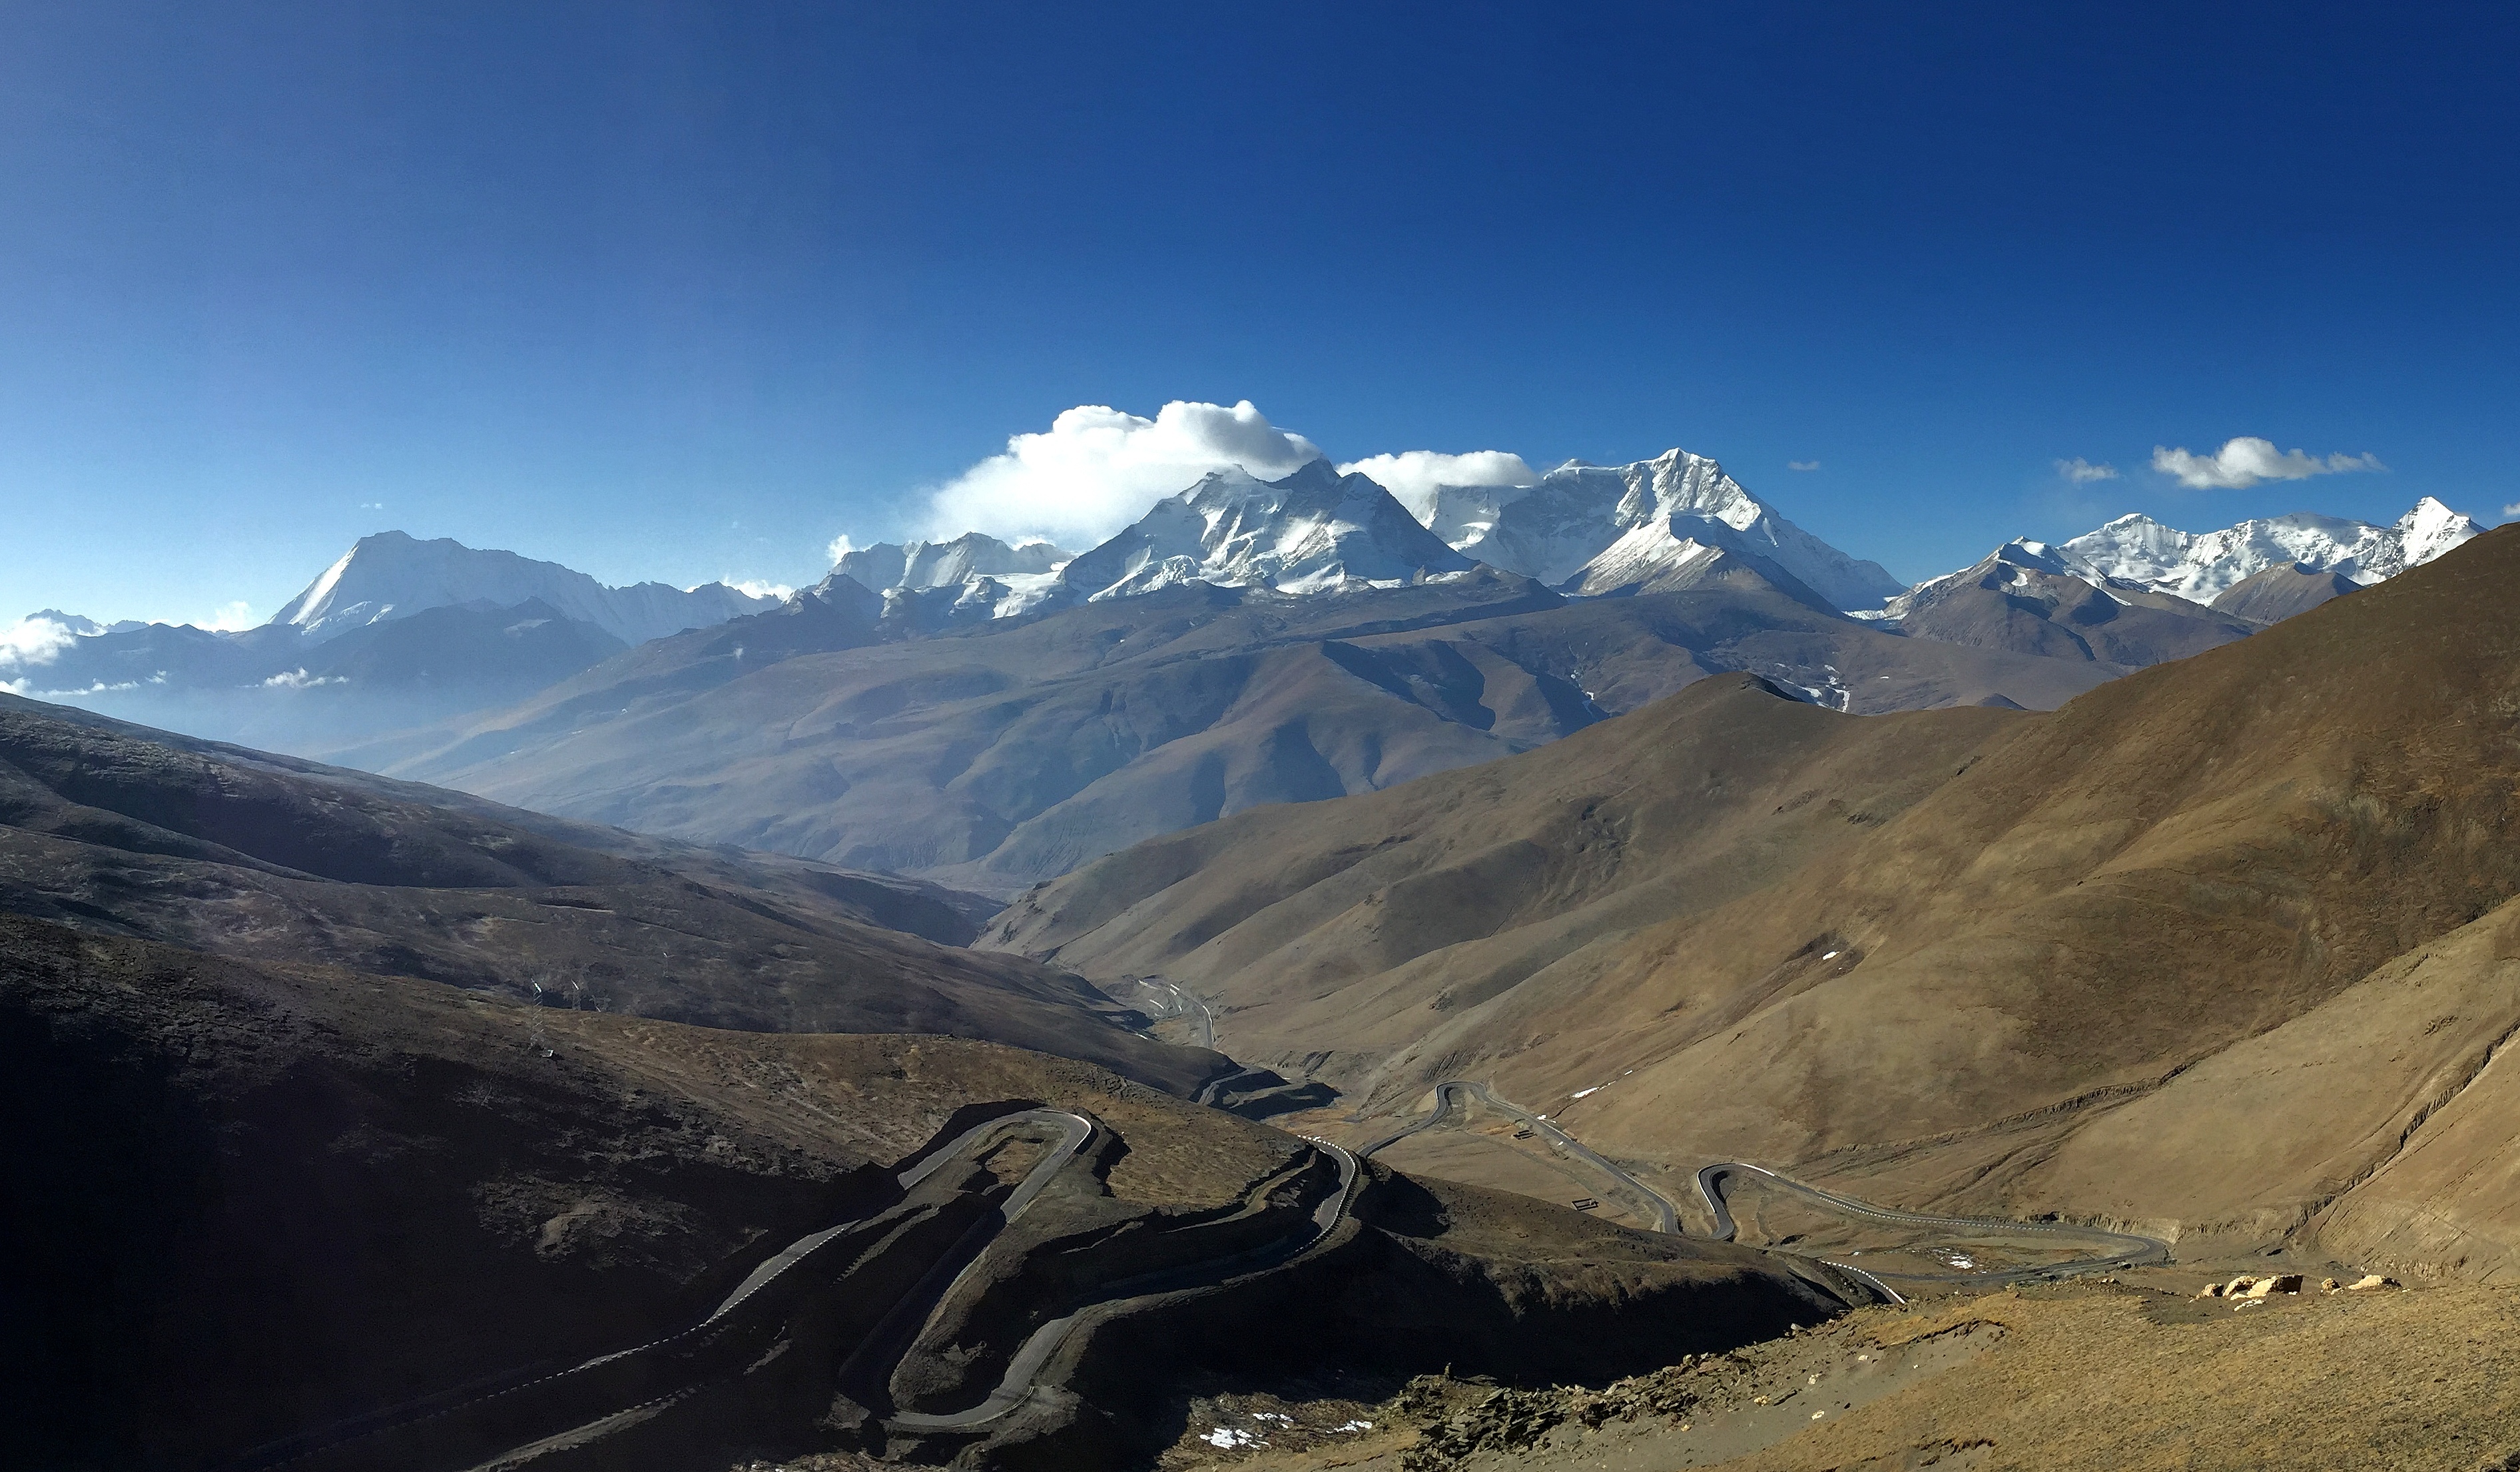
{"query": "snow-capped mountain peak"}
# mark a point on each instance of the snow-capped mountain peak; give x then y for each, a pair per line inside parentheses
(989, 579)
(1312, 530)
(924, 565)
(1579, 513)
(392, 575)
(2430, 529)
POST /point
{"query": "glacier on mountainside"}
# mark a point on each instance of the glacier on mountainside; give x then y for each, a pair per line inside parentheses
(989, 579)
(1596, 528)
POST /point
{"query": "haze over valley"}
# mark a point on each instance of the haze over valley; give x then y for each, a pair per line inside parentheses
(687, 783)
(1242, 642)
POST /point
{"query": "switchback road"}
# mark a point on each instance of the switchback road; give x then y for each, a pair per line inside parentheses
(584, 1405)
(383, 1438)
(2131, 1249)
(1656, 1205)
(1026, 1366)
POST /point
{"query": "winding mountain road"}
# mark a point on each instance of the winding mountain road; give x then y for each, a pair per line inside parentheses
(1024, 1369)
(1666, 1217)
(515, 1392)
(2131, 1249)
(448, 1429)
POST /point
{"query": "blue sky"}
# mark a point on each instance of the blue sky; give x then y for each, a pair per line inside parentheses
(683, 292)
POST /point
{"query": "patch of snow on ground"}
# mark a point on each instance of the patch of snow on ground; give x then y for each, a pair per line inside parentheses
(1230, 1439)
(1354, 1426)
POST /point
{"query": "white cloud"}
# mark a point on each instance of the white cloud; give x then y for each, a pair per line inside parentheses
(1096, 470)
(2512, 510)
(230, 618)
(2082, 472)
(759, 587)
(840, 547)
(2245, 461)
(33, 641)
(1802, 465)
(1412, 476)
(300, 679)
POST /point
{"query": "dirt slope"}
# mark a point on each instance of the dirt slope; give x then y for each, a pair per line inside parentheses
(258, 859)
(251, 1199)
(1382, 928)
(2029, 975)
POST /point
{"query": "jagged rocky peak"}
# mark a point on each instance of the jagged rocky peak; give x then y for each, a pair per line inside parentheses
(941, 564)
(1311, 531)
(392, 575)
(1584, 528)
(972, 578)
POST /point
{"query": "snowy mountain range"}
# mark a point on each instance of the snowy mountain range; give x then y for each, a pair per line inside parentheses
(357, 647)
(2136, 592)
(395, 632)
(393, 576)
(1675, 520)
(2202, 566)
(2139, 553)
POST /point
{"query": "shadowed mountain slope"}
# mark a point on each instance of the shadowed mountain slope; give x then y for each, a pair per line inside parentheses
(269, 860)
(2283, 590)
(2028, 963)
(1034, 746)
(2026, 599)
(278, 1198)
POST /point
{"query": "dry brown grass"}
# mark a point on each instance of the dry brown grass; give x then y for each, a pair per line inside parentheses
(2216, 949)
(2081, 1379)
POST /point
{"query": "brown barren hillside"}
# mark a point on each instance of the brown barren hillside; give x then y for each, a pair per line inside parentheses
(2086, 961)
(254, 1201)
(1384, 926)
(124, 831)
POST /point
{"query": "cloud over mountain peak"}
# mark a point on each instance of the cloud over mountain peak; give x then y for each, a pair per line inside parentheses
(1097, 469)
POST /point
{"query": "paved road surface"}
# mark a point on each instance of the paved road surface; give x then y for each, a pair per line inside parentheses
(2131, 1249)
(900, 1328)
(1074, 1129)
(1657, 1206)
(1025, 1368)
